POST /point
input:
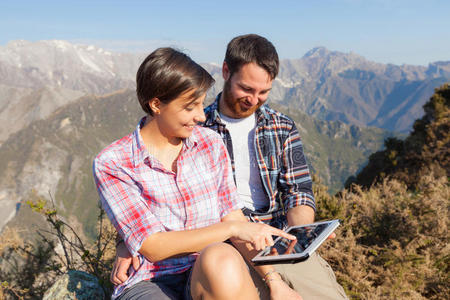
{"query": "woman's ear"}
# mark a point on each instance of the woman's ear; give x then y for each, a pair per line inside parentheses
(155, 106)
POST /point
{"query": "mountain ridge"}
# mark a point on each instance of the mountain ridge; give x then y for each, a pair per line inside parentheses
(329, 85)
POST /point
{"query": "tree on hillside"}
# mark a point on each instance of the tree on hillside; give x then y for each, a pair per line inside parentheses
(425, 150)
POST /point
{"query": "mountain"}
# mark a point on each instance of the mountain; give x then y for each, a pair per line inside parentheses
(54, 155)
(331, 85)
(335, 150)
(36, 78)
(20, 106)
(424, 152)
(61, 64)
(327, 85)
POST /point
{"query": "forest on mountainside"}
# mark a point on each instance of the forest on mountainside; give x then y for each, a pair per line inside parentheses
(393, 242)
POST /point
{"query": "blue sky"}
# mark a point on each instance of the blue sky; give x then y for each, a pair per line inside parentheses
(395, 31)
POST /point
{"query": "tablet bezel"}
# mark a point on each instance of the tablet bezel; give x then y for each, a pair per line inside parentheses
(259, 259)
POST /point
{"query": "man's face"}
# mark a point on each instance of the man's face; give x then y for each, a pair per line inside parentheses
(244, 91)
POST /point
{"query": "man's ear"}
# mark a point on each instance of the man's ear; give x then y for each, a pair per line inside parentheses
(155, 106)
(225, 71)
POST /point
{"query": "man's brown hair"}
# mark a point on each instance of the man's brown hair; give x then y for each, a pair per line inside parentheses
(252, 48)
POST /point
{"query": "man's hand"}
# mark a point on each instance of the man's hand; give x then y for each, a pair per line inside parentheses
(280, 290)
(331, 236)
(122, 263)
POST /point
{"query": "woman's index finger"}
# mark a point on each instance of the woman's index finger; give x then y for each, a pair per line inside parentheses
(284, 234)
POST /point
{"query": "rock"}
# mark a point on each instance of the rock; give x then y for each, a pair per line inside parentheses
(75, 285)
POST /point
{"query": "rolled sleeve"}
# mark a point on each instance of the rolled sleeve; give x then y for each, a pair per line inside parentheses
(295, 179)
(122, 201)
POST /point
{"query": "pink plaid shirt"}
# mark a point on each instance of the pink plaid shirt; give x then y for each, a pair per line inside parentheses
(141, 197)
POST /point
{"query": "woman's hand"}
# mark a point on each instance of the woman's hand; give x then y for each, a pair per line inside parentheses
(258, 234)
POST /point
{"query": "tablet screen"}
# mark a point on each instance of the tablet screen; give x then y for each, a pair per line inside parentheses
(309, 238)
(305, 236)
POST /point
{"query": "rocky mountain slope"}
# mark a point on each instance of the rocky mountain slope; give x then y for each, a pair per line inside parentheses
(19, 106)
(328, 85)
(36, 78)
(62, 64)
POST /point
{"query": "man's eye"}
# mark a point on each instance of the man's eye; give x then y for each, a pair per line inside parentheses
(189, 108)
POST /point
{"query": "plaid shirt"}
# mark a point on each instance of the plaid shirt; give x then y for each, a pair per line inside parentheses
(141, 197)
(282, 164)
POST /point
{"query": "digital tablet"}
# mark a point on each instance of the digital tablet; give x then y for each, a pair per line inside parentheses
(309, 238)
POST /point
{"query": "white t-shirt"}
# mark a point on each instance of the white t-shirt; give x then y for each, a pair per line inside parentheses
(248, 179)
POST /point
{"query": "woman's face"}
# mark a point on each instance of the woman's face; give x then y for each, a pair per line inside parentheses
(178, 118)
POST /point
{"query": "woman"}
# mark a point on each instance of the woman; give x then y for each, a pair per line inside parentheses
(168, 189)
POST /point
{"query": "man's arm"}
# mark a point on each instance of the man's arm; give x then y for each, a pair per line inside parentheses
(300, 215)
(295, 183)
(119, 272)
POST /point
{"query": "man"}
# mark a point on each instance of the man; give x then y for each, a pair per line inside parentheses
(269, 167)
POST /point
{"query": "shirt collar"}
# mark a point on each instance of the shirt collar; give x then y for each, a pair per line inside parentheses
(139, 152)
(214, 117)
(192, 140)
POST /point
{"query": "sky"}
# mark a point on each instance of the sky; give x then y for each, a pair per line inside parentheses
(396, 31)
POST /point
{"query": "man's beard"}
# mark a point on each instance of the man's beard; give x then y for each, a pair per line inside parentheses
(233, 104)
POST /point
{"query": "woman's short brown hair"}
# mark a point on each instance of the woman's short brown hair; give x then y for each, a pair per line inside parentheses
(166, 74)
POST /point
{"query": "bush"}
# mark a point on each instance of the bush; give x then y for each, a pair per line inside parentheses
(29, 268)
(393, 243)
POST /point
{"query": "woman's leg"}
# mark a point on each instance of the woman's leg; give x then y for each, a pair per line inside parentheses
(221, 273)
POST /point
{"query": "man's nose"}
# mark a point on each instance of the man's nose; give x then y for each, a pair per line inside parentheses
(253, 99)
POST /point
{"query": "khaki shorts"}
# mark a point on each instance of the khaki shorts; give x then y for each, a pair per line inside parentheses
(312, 279)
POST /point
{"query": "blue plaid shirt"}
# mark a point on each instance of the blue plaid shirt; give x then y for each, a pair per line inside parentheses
(284, 172)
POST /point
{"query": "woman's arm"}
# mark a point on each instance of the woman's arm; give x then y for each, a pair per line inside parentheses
(162, 245)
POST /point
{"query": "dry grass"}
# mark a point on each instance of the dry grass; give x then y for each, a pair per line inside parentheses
(393, 243)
